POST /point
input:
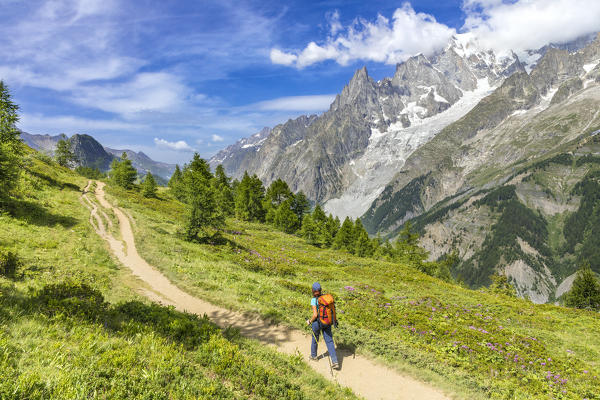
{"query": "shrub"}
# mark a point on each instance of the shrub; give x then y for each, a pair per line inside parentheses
(9, 264)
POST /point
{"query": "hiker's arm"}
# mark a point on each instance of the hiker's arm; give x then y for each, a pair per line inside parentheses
(314, 316)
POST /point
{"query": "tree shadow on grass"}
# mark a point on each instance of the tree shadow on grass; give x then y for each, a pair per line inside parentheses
(53, 182)
(34, 214)
(82, 302)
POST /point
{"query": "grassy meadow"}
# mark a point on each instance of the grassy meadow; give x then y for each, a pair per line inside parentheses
(72, 325)
(477, 344)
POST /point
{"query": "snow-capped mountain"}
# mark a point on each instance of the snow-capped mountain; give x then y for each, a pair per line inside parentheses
(346, 156)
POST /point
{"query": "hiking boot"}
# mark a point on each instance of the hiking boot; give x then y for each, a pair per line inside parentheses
(335, 366)
(311, 358)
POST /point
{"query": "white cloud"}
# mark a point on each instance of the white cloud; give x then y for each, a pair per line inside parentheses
(334, 22)
(37, 123)
(217, 138)
(296, 103)
(180, 145)
(530, 24)
(279, 57)
(497, 24)
(157, 91)
(385, 41)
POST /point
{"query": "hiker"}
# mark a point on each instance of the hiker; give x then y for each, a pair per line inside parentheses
(323, 316)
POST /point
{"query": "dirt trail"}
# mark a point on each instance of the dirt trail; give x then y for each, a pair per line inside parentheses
(365, 377)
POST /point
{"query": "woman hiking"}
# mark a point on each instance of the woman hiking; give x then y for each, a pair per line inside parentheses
(323, 316)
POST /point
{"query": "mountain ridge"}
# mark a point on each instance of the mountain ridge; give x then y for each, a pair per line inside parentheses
(91, 153)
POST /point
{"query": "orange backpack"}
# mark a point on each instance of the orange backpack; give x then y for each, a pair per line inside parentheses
(326, 309)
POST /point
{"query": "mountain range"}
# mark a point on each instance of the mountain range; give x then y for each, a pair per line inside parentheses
(470, 145)
(91, 153)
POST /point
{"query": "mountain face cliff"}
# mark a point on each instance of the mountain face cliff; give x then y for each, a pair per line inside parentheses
(90, 153)
(488, 157)
(501, 185)
(346, 156)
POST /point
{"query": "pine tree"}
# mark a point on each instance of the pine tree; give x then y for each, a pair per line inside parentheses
(64, 154)
(333, 225)
(122, 172)
(362, 244)
(345, 239)
(249, 198)
(11, 147)
(176, 184)
(300, 205)
(585, 292)
(309, 230)
(224, 193)
(277, 193)
(407, 247)
(319, 216)
(285, 218)
(149, 188)
(203, 212)
(196, 175)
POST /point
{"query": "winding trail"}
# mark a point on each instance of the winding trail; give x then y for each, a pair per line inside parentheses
(365, 377)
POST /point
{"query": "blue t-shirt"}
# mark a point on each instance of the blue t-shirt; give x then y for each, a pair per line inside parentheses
(313, 301)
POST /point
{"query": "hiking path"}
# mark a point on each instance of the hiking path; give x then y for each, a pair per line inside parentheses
(365, 377)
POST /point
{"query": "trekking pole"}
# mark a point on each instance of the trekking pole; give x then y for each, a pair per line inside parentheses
(317, 342)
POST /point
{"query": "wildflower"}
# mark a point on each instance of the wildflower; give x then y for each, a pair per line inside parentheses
(349, 288)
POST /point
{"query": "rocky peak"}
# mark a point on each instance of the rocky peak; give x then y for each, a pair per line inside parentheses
(89, 152)
(359, 91)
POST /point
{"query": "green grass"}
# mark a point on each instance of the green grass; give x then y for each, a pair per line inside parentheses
(395, 313)
(73, 325)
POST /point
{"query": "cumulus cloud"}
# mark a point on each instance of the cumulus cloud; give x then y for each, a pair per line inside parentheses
(383, 40)
(530, 24)
(217, 138)
(516, 25)
(279, 57)
(180, 145)
(297, 103)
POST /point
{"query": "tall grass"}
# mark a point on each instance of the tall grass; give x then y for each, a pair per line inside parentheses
(463, 339)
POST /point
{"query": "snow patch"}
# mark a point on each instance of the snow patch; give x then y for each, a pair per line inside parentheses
(518, 112)
(588, 67)
(387, 151)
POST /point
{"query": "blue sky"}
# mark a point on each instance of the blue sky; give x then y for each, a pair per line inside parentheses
(172, 77)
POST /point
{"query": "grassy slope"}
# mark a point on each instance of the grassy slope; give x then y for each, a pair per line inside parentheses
(412, 321)
(72, 327)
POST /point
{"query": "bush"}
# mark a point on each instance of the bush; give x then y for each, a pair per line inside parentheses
(586, 290)
(9, 264)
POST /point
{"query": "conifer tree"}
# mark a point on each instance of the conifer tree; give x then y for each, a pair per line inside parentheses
(318, 215)
(345, 239)
(249, 199)
(201, 196)
(300, 205)
(203, 212)
(333, 225)
(196, 175)
(285, 219)
(585, 292)
(176, 184)
(309, 230)
(362, 244)
(64, 154)
(122, 172)
(149, 188)
(277, 193)
(224, 193)
(407, 247)
(11, 147)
